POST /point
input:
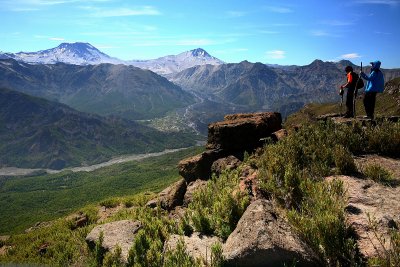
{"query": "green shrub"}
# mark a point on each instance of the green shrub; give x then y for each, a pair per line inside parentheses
(217, 259)
(179, 257)
(99, 251)
(110, 203)
(344, 161)
(217, 208)
(147, 249)
(378, 174)
(384, 138)
(320, 221)
(113, 259)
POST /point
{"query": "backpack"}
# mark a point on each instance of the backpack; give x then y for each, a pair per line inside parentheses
(358, 80)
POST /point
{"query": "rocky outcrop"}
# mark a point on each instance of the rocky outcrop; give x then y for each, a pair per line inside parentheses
(241, 132)
(170, 197)
(199, 166)
(232, 136)
(198, 246)
(263, 238)
(119, 233)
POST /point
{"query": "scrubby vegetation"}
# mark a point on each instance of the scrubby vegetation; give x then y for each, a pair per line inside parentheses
(293, 170)
(217, 208)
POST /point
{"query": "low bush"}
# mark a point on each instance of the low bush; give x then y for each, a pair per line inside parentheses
(378, 174)
(217, 208)
(110, 203)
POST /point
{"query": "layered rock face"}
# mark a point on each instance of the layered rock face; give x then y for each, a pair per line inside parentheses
(239, 132)
(232, 136)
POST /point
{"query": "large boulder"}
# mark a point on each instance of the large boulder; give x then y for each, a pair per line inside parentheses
(170, 197)
(241, 132)
(198, 246)
(119, 233)
(199, 166)
(263, 238)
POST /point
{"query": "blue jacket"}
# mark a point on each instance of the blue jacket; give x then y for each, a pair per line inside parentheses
(376, 82)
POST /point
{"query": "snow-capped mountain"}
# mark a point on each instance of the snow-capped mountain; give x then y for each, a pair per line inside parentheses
(176, 63)
(86, 54)
(70, 53)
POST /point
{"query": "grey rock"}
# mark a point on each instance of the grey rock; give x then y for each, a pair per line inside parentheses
(198, 246)
(263, 238)
(170, 197)
(119, 233)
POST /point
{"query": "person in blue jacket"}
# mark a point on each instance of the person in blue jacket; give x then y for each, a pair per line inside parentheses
(375, 84)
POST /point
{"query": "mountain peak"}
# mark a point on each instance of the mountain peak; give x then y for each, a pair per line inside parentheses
(199, 52)
(77, 45)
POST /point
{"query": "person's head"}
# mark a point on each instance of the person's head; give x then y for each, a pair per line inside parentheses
(376, 65)
(348, 69)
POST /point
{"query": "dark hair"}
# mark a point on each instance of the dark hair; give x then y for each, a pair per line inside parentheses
(348, 69)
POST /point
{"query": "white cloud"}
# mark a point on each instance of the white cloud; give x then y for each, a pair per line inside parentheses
(276, 54)
(349, 56)
(56, 39)
(278, 9)
(319, 33)
(323, 33)
(379, 2)
(235, 14)
(337, 22)
(123, 12)
(35, 5)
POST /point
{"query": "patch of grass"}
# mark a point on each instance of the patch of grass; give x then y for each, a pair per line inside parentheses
(110, 202)
(217, 208)
(179, 257)
(344, 161)
(378, 174)
(53, 245)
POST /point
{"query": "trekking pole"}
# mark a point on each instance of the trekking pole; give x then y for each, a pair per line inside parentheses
(355, 94)
(341, 105)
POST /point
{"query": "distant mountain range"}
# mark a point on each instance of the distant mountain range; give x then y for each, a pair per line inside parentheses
(38, 133)
(86, 54)
(105, 89)
(256, 86)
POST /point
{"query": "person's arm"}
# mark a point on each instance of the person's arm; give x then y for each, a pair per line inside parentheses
(368, 77)
(349, 80)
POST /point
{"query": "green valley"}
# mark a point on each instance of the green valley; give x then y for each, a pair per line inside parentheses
(27, 200)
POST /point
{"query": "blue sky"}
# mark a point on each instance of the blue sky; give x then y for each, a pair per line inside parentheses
(279, 32)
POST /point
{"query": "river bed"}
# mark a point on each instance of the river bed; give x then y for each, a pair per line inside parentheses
(13, 171)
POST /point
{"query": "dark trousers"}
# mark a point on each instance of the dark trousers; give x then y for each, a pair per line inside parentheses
(349, 102)
(369, 103)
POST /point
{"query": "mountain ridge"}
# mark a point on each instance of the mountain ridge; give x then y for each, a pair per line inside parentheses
(38, 133)
(104, 89)
(80, 53)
